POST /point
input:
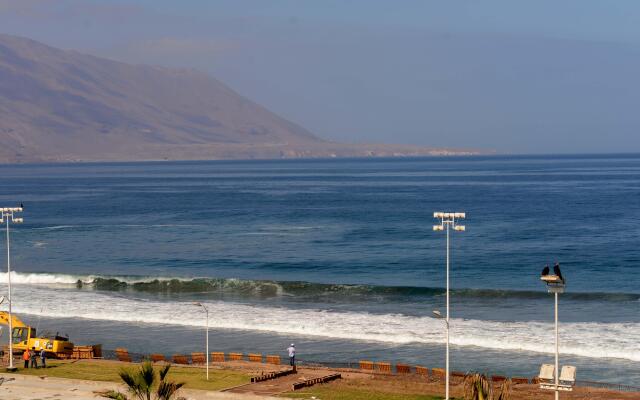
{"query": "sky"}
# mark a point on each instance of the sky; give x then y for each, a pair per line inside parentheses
(505, 75)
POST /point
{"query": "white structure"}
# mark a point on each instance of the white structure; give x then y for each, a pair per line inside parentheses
(448, 220)
(206, 310)
(8, 215)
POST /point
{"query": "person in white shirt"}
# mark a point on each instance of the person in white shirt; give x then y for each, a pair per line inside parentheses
(292, 354)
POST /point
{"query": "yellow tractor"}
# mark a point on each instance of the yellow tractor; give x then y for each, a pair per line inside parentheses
(24, 337)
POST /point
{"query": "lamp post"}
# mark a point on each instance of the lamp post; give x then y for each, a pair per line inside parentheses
(8, 215)
(206, 310)
(448, 220)
(555, 284)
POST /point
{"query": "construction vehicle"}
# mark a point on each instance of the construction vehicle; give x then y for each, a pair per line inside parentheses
(25, 337)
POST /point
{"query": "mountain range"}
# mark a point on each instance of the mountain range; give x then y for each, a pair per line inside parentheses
(60, 105)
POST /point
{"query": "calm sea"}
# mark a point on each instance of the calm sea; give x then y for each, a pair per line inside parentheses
(339, 256)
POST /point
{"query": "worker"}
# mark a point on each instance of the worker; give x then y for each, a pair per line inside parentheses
(26, 357)
(43, 358)
(292, 354)
(34, 358)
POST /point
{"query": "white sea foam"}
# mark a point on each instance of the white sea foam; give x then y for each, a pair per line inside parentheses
(596, 340)
(47, 279)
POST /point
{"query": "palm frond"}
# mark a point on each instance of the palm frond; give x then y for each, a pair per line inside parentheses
(477, 387)
(112, 394)
(505, 390)
(164, 371)
(166, 390)
(146, 377)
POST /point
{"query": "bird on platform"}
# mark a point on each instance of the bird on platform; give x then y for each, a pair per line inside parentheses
(556, 270)
(545, 271)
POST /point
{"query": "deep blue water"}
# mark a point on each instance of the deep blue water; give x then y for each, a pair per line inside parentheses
(355, 235)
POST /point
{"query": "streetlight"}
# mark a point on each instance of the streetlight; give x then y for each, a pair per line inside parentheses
(447, 219)
(206, 310)
(8, 215)
(555, 284)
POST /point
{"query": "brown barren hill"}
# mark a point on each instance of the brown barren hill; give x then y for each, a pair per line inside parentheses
(59, 105)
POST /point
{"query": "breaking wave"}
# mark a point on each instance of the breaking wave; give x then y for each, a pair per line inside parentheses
(587, 339)
(265, 288)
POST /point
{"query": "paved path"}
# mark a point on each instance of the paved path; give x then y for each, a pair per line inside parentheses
(25, 387)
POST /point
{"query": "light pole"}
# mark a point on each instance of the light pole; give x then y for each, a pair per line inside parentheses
(555, 284)
(448, 220)
(206, 310)
(8, 215)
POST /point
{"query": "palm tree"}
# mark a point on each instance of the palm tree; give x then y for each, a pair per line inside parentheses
(478, 387)
(141, 384)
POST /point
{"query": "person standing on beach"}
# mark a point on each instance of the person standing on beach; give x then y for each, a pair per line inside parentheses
(292, 354)
(43, 358)
(34, 358)
(26, 356)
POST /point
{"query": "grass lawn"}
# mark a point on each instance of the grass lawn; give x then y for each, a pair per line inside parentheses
(195, 378)
(335, 392)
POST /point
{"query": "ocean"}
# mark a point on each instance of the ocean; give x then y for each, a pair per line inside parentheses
(338, 256)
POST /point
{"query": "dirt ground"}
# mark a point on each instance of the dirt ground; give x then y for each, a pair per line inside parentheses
(413, 384)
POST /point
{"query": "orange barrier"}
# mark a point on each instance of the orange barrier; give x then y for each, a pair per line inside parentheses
(217, 356)
(255, 357)
(520, 380)
(123, 354)
(180, 359)
(236, 356)
(198, 358)
(366, 365)
(403, 369)
(273, 360)
(383, 367)
(498, 378)
(424, 371)
(438, 373)
(82, 352)
(157, 357)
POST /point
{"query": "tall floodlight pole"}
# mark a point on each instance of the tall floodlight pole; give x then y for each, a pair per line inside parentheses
(206, 310)
(555, 284)
(8, 215)
(448, 220)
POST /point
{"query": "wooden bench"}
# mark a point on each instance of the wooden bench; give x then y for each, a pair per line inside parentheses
(180, 359)
(236, 356)
(383, 367)
(217, 356)
(520, 380)
(254, 357)
(314, 381)
(403, 369)
(123, 354)
(424, 371)
(157, 357)
(198, 358)
(275, 360)
(366, 365)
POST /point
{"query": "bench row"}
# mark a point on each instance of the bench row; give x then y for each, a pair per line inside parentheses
(199, 358)
(436, 373)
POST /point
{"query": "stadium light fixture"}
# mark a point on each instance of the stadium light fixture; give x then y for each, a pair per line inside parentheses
(7, 214)
(448, 220)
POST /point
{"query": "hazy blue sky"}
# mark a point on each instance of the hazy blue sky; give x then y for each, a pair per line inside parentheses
(516, 76)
